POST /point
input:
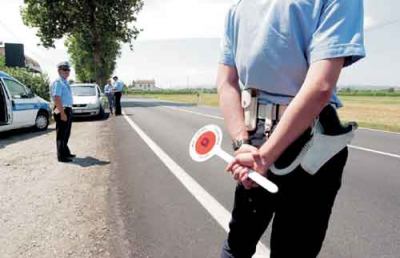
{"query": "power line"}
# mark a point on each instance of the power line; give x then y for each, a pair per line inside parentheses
(35, 54)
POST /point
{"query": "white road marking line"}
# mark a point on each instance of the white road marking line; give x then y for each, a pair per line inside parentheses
(194, 112)
(351, 146)
(214, 208)
(377, 130)
(374, 151)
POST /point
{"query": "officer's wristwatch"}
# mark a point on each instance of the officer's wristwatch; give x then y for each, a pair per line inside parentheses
(236, 144)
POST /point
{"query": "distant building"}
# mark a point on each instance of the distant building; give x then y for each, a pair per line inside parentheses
(144, 85)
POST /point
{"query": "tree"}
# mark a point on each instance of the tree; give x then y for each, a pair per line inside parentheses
(38, 83)
(94, 30)
(81, 52)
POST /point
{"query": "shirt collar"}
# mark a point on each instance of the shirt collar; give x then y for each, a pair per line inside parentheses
(63, 80)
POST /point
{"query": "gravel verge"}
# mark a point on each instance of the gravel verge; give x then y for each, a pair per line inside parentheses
(52, 209)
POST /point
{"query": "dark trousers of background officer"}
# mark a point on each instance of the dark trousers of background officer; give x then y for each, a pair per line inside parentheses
(301, 209)
(117, 96)
(110, 98)
(63, 129)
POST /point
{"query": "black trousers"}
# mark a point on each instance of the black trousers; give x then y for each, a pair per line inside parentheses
(300, 210)
(117, 96)
(63, 129)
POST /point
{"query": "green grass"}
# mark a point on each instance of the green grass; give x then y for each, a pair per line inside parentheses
(207, 99)
(377, 112)
(372, 112)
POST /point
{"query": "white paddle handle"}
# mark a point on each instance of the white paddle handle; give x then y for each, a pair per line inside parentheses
(256, 177)
(263, 181)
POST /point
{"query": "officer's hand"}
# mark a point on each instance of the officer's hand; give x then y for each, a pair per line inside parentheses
(63, 117)
(246, 148)
(240, 174)
(244, 161)
(250, 158)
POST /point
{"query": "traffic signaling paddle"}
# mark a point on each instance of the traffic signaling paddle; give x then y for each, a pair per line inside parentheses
(206, 143)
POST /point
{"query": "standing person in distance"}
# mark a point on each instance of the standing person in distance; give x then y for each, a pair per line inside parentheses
(62, 97)
(285, 56)
(118, 86)
(108, 91)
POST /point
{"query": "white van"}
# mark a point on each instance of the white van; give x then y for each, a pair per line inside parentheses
(19, 107)
(87, 100)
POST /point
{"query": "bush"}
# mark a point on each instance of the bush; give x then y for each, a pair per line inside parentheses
(367, 93)
(38, 83)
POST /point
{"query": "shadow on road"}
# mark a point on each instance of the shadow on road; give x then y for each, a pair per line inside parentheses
(154, 103)
(20, 135)
(89, 162)
(77, 119)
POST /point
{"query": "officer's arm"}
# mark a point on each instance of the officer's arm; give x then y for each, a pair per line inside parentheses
(56, 93)
(315, 93)
(58, 103)
(229, 101)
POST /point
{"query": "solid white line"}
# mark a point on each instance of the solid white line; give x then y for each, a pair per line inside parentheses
(351, 146)
(377, 130)
(374, 151)
(196, 113)
(216, 210)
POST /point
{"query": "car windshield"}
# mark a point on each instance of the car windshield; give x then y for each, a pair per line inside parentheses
(83, 90)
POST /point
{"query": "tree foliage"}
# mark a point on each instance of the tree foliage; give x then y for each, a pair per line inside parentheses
(38, 83)
(81, 52)
(94, 30)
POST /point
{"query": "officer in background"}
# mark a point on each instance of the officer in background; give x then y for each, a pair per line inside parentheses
(287, 55)
(118, 86)
(62, 97)
(108, 91)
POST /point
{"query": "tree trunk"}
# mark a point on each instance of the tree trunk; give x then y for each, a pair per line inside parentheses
(96, 43)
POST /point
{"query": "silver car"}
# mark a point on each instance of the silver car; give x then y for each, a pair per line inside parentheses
(87, 100)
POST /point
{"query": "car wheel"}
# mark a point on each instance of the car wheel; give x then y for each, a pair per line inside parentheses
(42, 121)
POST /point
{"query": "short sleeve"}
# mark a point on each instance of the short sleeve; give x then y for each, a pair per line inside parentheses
(340, 32)
(226, 56)
(56, 89)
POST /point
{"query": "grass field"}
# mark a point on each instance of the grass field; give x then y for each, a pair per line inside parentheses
(368, 111)
(372, 112)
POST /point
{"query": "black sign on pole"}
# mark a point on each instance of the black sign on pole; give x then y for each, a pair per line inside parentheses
(15, 56)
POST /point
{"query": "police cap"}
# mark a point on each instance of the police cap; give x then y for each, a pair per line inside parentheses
(64, 65)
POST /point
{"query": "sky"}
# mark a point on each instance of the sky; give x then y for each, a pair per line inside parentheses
(179, 45)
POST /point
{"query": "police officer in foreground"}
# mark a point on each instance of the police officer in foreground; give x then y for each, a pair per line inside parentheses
(118, 86)
(285, 57)
(62, 97)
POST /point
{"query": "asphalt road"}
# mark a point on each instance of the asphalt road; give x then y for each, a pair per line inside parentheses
(162, 218)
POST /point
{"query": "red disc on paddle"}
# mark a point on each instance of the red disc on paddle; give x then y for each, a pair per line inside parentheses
(205, 143)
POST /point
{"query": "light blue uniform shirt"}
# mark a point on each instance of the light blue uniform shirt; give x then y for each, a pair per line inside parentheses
(61, 88)
(273, 42)
(118, 86)
(108, 89)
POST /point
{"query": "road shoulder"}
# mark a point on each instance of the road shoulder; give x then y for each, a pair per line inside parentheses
(52, 209)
